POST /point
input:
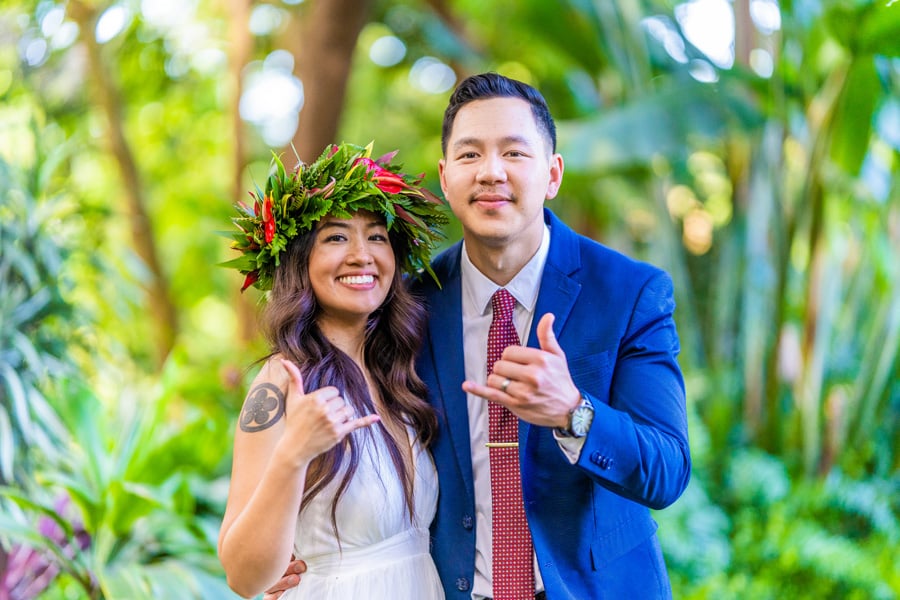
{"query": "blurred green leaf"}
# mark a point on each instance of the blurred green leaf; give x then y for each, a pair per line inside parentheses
(854, 116)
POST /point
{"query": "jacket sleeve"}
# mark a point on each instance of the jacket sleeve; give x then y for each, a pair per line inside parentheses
(637, 446)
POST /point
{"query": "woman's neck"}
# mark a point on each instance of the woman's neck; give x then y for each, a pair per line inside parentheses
(349, 339)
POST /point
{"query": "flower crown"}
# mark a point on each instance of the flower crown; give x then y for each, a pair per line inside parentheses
(342, 181)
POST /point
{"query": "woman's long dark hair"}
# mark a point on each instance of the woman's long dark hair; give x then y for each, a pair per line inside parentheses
(393, 336)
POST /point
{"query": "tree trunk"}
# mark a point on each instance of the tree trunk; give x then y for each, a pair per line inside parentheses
(323, 43)
(106, 95)
(241, 48)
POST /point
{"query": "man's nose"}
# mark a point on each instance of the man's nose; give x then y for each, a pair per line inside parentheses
(491, 169)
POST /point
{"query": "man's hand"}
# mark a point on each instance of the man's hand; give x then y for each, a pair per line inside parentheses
(291, 578)
(535, 385)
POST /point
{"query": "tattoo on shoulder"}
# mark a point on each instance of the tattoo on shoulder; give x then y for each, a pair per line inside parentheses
(263, 408)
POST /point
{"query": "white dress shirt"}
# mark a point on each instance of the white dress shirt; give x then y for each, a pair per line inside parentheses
(477, 290)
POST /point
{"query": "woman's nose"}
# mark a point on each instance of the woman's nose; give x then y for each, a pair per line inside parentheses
(360, 253)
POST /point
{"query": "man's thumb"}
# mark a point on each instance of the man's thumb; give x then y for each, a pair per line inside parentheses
(546, 337)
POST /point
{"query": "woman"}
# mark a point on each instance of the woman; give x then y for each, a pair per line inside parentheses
(330, 459)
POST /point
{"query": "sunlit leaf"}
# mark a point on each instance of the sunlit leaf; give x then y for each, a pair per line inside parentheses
(853, 117)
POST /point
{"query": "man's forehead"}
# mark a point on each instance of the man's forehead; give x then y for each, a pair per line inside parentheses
(494, 118)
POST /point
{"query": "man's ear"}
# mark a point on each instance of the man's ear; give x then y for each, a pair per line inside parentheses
(556, 175)
(441, 164)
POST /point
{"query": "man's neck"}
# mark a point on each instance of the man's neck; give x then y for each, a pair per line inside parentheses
(501, 263)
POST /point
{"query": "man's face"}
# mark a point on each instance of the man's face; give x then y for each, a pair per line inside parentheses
(497, 172)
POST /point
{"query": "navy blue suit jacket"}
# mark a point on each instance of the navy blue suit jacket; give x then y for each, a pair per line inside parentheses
(592, 530)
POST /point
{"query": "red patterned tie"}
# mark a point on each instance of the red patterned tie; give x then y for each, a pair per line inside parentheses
(512, 564)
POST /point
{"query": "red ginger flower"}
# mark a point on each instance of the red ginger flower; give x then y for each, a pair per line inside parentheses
(385, 180)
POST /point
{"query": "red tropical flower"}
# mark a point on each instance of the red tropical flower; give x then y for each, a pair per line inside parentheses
(385, 180)
(251, 278)
(390, 183)
(268, 220)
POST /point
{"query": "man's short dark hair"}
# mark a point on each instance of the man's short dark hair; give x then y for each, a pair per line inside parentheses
(494, 85)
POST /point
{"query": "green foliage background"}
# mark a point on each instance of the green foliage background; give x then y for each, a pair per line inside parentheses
(773, 201)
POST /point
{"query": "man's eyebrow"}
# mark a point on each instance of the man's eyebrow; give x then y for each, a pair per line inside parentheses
(466, 141)
(517, 139)
(473, 141)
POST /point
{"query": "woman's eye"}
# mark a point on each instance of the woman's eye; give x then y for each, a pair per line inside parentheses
(378, 237)
(335, 238)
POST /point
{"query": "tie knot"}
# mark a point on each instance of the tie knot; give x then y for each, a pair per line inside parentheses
(502, 303)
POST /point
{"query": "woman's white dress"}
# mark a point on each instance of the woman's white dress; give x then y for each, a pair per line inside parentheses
(382, 555)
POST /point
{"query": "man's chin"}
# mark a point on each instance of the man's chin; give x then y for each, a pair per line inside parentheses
(491, 234)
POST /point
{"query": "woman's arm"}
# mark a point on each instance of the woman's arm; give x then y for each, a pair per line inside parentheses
(280, 430)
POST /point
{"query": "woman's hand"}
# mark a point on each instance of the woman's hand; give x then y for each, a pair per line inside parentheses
(317, 420)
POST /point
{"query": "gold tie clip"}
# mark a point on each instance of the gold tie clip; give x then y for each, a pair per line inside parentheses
(502, 445)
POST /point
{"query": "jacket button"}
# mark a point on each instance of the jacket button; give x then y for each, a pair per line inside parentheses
(607, 463)
(467, 522)
(596, 458)
(462, 584)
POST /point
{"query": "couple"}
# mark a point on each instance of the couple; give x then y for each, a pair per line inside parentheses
(548, 454)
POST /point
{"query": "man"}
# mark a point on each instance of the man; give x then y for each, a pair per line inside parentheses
(601, 344)
(601, 435)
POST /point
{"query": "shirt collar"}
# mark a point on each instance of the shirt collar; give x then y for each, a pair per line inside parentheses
(478, 289)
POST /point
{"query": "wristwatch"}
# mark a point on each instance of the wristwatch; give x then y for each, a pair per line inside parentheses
(580, 419)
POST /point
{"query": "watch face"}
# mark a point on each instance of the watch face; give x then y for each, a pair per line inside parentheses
(581, 420)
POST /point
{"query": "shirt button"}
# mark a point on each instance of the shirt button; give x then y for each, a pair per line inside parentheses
(467, 522)
(462, 584)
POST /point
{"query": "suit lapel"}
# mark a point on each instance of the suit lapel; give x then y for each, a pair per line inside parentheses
(559, 289)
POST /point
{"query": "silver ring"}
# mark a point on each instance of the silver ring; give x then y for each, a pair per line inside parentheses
(505, 385)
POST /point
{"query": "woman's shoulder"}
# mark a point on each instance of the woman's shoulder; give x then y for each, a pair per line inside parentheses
(272, 372)
(266, 401)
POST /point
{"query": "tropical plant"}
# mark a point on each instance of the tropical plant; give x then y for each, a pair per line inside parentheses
(143, 512)
(35, 318)
(102, 499)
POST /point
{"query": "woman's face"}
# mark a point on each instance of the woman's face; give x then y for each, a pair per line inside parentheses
(351, 266)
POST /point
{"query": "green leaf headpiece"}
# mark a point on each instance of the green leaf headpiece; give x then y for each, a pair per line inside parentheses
(342, 181)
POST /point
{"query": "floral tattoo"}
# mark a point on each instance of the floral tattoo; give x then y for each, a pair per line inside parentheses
(263, 408)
